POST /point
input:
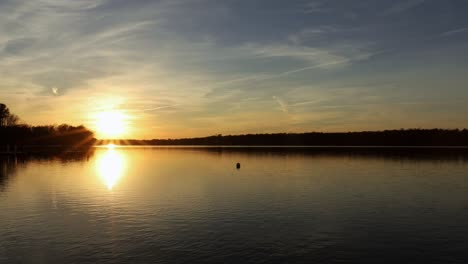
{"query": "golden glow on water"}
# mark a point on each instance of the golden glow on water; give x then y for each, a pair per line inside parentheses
(111, 167)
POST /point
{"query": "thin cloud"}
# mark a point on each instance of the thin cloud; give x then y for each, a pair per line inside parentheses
(403, 6)
(283, 105)
(160, 108)
(315, 7)
(454, 32)
(323, 65)
(312, 55)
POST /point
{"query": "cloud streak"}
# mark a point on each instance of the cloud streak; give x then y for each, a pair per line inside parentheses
(403, 6)
(455, 31)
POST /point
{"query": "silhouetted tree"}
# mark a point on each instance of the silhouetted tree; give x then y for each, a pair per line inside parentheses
(12, 120)
(11, 133)
(4, 114)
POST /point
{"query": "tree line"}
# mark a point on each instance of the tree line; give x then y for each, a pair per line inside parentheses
(402, 137)
(13, 133)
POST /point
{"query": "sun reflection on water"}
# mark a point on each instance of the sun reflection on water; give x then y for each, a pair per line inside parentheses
(111, 167)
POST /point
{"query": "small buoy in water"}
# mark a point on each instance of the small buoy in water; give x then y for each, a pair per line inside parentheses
(238, 165)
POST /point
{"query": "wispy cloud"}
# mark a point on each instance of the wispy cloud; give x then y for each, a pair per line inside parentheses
(282, 104)
(455, 31)
(323, 65)
(315, 7)
(309, 54)
(403, 6)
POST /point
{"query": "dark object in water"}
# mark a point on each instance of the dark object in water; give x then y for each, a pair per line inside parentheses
(238, 165)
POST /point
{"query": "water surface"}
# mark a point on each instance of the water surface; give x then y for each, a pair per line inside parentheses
(186, 205)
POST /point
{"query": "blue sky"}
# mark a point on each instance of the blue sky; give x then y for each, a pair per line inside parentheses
(196, 67)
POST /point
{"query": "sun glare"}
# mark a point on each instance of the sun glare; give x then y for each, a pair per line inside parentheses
(111, 124)
(110, 146)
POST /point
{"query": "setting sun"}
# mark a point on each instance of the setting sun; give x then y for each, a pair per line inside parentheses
(111, 124)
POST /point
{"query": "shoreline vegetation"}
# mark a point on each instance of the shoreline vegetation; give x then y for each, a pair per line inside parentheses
(386, 138)
(16, 137)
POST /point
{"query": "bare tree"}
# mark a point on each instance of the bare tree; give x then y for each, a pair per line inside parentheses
(12, 120)
(4, 114)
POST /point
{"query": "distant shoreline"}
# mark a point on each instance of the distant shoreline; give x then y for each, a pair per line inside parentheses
(20, 138)
(285, 146)
(390, 138)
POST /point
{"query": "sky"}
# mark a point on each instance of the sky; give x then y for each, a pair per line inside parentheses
(185, 68)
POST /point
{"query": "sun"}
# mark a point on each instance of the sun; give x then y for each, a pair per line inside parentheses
(111, 124)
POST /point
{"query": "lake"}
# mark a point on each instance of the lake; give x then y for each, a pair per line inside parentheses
(188, 205)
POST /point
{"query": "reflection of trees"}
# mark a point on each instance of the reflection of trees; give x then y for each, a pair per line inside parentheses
(417, 154)
(11, 164)
(8, 167)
